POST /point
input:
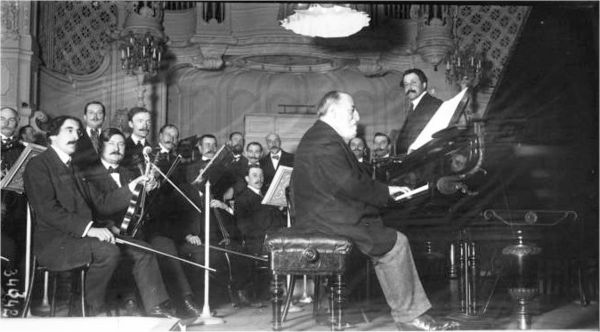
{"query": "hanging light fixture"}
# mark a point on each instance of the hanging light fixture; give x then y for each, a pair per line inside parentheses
(325, 20)
(142, 40)
(466, 67)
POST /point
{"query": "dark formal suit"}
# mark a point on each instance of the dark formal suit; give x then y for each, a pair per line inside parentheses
(62, 203)
(285, 159)
(133, 156)
(145, 266)
(14, 208)
(332, 193)
(238, 278)
(85, 155)
(255, 219)
(236, 174)
(415, 121)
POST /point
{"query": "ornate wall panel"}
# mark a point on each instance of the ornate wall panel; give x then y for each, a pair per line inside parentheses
(492, 29)
(76, 34)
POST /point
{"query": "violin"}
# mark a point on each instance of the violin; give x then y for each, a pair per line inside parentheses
(134, 216)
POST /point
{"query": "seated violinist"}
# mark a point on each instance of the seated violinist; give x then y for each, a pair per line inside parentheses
(69, 231)
(163, 228)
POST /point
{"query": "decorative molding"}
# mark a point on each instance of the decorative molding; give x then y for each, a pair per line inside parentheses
(75, 79)
(10, 19)
(7, 79)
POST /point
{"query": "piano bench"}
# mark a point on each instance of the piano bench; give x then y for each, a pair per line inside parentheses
(303, 252)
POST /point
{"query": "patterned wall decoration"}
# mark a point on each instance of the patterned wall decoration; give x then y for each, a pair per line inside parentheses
(492, 29)
(75, 34)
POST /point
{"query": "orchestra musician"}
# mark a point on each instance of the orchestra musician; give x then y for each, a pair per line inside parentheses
(164, 227)
(341, 198)
(14, 205)
(255, 219)
(108, 176)
(67, 234)
(422, 106)
(239, 166)
(380, 155)
(276, 156)
(140, 122)
(87, 153)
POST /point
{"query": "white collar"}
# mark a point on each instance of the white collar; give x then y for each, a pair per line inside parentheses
(136, 139)
(416, 101)
(64, 157)
(163, 149)
(4, 138)
(256, 191)
(107, 164)
(89, 130)
(360, 160)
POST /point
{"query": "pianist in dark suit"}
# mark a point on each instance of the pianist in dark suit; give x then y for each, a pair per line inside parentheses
(333, 194)
(140, 122)
(422, 107)
(276, 156)
(86, 155)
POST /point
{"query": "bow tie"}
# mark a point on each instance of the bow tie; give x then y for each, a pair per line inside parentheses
(113, 170)
(276, 157)
(253, 164)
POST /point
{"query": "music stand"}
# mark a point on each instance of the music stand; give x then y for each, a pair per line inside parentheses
(211, 173)
(14, 181)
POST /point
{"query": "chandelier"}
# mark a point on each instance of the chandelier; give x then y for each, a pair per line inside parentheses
(466, 67)
(142, 40)
(325, 20)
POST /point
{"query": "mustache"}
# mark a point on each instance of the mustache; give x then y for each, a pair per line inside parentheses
(72, 142)
(411, 90)
(116, 153)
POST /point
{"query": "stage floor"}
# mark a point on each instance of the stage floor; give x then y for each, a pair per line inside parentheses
(549, 312)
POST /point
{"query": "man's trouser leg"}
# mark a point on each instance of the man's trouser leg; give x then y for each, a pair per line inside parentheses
(400, 282)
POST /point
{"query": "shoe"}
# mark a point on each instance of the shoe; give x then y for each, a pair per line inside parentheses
(427, 323)
(131, 308)
(190, 308)
(162, 310)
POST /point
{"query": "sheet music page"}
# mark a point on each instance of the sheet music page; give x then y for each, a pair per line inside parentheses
(438, 121)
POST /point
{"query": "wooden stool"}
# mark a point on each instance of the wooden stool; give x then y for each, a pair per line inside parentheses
(299, 252)
(54, 276)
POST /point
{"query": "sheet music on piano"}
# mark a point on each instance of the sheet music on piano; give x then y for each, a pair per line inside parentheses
(439, 120)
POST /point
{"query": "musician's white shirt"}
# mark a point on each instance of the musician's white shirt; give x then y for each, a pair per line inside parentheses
(416, 101)
(114, 176)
